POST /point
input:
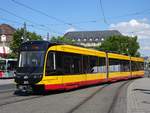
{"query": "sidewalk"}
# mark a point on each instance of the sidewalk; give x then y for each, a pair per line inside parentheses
(138, 96)
(6, 81)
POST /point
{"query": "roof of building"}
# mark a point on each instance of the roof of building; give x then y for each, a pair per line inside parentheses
(89, 36)
(7, 30)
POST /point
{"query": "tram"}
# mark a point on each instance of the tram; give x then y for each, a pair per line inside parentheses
(50, 66)
(7, 68)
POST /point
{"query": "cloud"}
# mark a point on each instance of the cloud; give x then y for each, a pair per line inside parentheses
(70, 29)
(146, 48)
(140, 28)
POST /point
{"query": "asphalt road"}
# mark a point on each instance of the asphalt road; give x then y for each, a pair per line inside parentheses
(7, 87)
(106, 98)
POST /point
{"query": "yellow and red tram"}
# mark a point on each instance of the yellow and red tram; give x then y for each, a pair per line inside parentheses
(49, 66)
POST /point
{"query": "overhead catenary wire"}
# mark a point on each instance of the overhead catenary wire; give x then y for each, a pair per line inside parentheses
(32, 22)
(145, 11)
(104, 18)
(45, 14)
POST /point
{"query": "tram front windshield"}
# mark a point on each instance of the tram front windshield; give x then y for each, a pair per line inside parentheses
(31, 59)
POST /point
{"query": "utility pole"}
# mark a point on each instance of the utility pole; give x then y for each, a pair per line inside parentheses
(47, 36)
(24, 33)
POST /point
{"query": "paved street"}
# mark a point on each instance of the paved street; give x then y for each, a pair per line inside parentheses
(121, 97)
(6, 81)
(96, 99)
(7, 84)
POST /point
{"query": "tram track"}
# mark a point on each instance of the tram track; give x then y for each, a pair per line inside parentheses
(111, 105)
(16, 99)
(6, 94)
(87, 99)
(9, 97)
(116, 96)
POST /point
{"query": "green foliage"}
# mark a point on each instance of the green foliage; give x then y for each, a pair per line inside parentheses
(62, 40)
(121, 44)
(17, 40)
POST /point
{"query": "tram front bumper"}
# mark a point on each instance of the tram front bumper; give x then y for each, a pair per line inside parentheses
(25, 88)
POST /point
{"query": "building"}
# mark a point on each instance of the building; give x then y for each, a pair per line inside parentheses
(6, 31)
(90, 38)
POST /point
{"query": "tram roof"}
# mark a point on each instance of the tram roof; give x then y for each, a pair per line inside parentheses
(82, 50)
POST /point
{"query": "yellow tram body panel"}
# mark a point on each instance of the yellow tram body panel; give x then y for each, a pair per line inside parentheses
(137, 59)
(72, 78)
(137, 73)
(119, 74)
(51, 80)
(118, 56)
(96, 76)
(78, 50)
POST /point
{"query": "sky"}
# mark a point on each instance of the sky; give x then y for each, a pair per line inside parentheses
(56, 17)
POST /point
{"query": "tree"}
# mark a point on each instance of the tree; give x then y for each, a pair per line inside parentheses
(17, 40)
(62, 40)
(121, 44)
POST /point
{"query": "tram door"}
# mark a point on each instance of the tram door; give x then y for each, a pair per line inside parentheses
(73, 74)
(53, 68)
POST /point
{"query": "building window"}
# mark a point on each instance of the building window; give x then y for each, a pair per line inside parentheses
(96, 39)
(91, 39)
(84, 39)
(79, 39)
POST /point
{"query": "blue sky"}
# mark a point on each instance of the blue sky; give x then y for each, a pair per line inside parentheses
(130, 17)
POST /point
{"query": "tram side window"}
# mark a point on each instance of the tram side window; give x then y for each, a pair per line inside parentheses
(72, 63)
(141, 65)
(86, 64)
(77, 61)
(59, 63)
(102, 65)
(94, 64)
(114, 65)
(125, 65)
(54, 64)
(2, 65)
(136, 66)
(68, 65)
